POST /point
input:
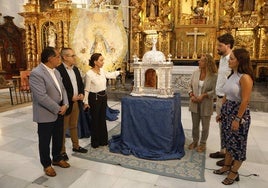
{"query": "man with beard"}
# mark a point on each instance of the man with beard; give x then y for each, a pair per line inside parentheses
(224, 48)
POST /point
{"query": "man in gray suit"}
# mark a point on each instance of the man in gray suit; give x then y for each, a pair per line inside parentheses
(50, 103)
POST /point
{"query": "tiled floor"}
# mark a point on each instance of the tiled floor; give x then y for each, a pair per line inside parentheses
(20, 166)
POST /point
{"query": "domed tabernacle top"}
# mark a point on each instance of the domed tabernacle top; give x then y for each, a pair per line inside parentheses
(153, 56)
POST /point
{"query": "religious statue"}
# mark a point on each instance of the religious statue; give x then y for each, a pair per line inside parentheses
(199, 9)
(152, 8)
(246, 5)
(51, 38)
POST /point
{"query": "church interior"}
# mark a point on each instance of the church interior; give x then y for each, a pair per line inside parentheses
(123, 30)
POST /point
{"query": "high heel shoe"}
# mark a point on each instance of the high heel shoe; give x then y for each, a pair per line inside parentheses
(230, 181)
(221, 172)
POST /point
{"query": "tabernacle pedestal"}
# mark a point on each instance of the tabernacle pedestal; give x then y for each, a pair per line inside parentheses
(151, 128)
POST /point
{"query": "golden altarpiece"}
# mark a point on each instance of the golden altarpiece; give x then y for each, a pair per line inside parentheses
(185, 29)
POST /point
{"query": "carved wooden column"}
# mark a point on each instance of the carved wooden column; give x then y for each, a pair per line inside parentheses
(59, 34)
(65, 34)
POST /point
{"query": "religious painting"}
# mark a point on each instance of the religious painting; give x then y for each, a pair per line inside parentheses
(150, 78)
(99, 31)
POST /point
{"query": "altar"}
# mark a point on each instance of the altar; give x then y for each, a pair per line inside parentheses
(181, 76)
(151, 128)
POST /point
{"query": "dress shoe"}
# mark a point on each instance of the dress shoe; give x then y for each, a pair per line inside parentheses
(220, 162)
(217, 155)
(201, 148)
(64, 156)
(80, 150)
(49, 171)
(62, 164)
(193, 145)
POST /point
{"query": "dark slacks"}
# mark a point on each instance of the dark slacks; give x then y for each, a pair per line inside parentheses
(98, 104)
(46, 132)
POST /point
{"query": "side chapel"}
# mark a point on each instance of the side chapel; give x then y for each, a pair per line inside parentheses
(185, 29)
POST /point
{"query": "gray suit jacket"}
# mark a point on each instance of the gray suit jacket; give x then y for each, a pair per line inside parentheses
(206, 106)
(46, 96)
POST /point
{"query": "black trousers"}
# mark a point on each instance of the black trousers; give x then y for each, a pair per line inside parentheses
(46, 132)
(98, 104)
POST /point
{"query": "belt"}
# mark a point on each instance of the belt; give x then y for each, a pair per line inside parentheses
(100, 94)
(219, 96)
(103, 92)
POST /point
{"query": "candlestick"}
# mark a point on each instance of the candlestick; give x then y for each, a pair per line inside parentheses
(202, 47)
(207, 47)
(176, 50)
(181, 49)
(188, 50)
(212, 48)
(8, 58)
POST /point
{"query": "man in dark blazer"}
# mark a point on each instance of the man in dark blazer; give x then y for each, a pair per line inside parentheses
(74, 86)
(50, 103)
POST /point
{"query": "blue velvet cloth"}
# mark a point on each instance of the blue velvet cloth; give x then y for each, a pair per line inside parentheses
(83, 122)
(151, 128)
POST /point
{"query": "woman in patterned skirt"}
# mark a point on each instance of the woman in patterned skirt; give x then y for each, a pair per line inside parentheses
(235, 114)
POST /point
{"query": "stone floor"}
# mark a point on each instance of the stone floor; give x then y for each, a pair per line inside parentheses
(20, 166)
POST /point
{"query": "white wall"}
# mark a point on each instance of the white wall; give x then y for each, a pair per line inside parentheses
(12, 8)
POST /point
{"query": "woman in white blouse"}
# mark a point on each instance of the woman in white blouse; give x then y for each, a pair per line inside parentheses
(96, 99)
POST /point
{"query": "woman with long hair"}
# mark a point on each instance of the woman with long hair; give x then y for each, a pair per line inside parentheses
(235, 114)
(202, 92)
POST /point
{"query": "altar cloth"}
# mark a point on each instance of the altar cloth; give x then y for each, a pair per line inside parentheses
(151, 128)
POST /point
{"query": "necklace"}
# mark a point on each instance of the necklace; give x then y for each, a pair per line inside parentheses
(97, 71)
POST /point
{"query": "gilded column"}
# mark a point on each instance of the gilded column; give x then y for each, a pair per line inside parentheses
(59, 34)
(65, 34)
(33, 45)
(28, 45)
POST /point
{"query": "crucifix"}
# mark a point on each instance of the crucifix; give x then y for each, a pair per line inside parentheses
(195, 34)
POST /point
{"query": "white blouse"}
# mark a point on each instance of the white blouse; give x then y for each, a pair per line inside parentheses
(95, 82)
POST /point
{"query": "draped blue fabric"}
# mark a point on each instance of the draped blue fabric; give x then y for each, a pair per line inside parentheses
(151, 128)
(83, 122)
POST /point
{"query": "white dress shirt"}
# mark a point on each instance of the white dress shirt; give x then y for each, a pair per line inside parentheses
(72, 76)
(223, 72)
(52, 73)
